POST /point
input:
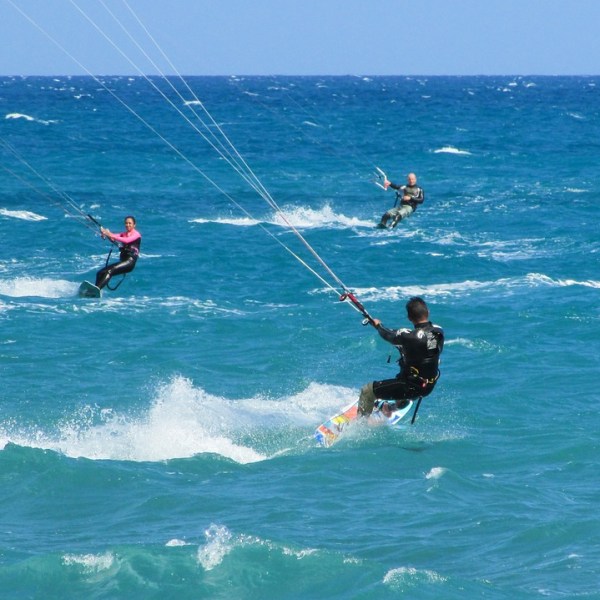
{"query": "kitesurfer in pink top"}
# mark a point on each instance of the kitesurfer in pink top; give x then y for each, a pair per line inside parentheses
(129, 242)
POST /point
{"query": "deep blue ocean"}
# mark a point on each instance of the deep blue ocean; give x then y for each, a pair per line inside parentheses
(158, 442)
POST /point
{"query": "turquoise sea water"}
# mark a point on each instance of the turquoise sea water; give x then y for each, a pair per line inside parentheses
(159, 442)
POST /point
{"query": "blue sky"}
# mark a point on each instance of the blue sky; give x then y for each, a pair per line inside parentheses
(307, 37)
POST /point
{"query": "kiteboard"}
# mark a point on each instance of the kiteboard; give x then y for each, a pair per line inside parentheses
(89, 290)
(331, 430)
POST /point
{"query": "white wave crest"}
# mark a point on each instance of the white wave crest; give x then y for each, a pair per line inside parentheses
(19, 116)
(435, 473)
(237, 221)
(25, 215)
(462, 288)
(220, 542)
(477, 345)
(409, 577)
(299, 217)
(181, 422)
(218, 545)
(37, 287)
(451, 150)
(184, 421)
(569, 282)
(28, 118)
(176, 543)
(91, 563)
(306, 218)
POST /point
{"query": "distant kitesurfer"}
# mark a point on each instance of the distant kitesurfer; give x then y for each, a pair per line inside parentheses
(129, 242)
(420, 350)
(408, 197)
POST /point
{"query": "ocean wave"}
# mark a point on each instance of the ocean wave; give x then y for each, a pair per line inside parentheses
(90, 563)
(184, 421)
(181, 422)
(478, 345)
(19, 116)
(451, 150)
(41, 287)
(236, 221)
(220, 542)
(306, 218)
(25, 215)
(227, 563)
(462, 288)
(218, 545)
(436, 473)
(45, 287)
(28, 118)
(298, 217)
(404, 578)
(243, 565)
(573, 282)
(498, 250)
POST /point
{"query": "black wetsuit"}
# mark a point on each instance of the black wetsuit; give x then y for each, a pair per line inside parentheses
(417, 195)
(420, 350)
(127, 258)
(404, 208)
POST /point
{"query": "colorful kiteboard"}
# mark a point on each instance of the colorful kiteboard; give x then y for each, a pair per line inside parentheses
(329, 432)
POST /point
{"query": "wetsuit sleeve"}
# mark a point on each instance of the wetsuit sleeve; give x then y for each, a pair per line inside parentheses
(393, 336)
(395, 186)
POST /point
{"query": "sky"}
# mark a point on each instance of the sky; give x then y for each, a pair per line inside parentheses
(301, 37)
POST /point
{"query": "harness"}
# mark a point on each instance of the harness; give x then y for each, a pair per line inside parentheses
(112, 289)
(129, 251)
(401, 192)
(420, 383)
(424, 382)
(414, 375)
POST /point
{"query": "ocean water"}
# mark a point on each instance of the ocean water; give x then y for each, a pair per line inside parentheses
(158, 442)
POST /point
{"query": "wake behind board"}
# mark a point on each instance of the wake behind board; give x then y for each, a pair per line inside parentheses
(89, 290)
(330, 432)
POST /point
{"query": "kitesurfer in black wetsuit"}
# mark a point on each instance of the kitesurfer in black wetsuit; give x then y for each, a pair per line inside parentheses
(409, 196)
(420, 350)
(129, 241)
